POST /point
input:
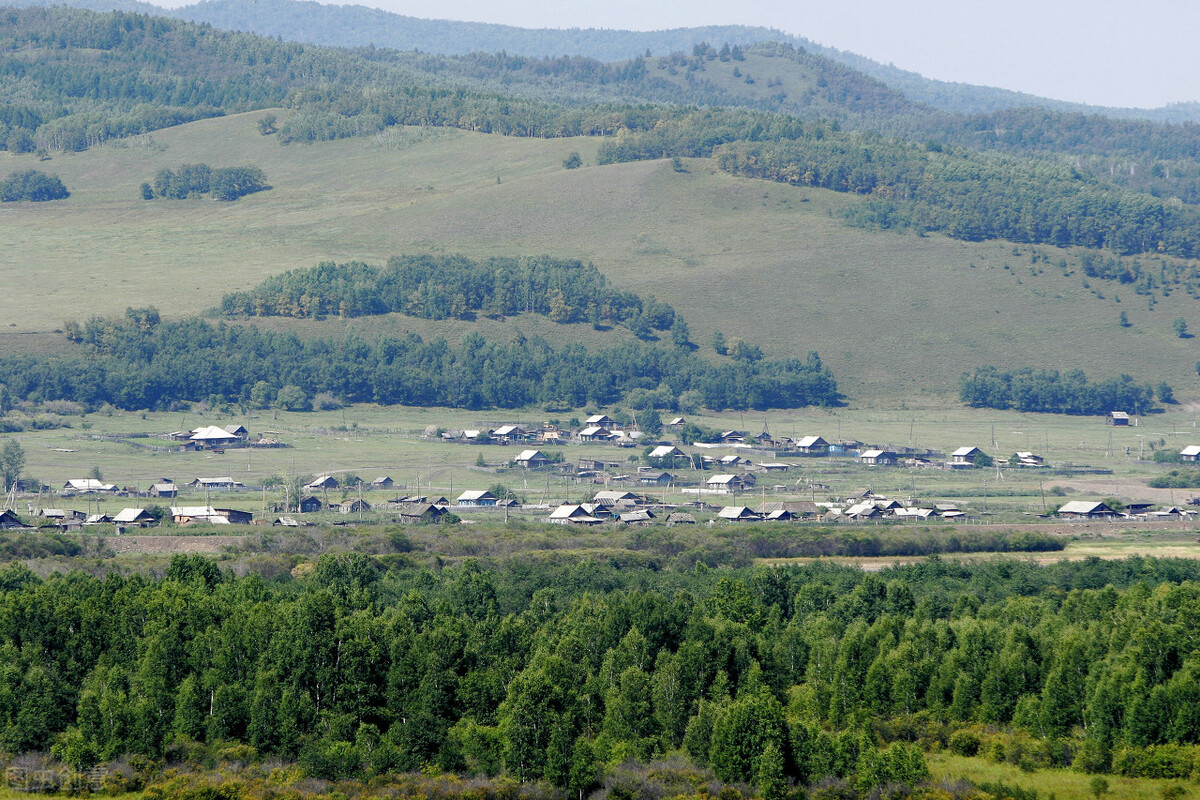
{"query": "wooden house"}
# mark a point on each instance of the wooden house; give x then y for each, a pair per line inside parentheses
(1190, 453)
(10, 521)
(600, 421)
(164, 488)
(382, 482)
(138, 517)
(881, 458)
(738, 514)
(477, 498)
(1119, 418)
(680, 518)
(1085, 509)
(570, 514)
(531, 459)
(322, 482)
(965, 456)
(355, 506)
(724, 484)
(812, 445)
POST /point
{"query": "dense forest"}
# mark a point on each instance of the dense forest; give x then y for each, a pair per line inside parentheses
(442, 287)
(141, 361)
(816, 675)
(1057, 393)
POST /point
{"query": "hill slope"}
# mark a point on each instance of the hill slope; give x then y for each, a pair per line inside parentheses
(894, 316)
(360, 26)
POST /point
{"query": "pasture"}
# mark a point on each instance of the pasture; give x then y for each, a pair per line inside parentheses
(897, 317)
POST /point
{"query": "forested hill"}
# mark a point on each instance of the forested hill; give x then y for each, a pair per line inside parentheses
(359, 26)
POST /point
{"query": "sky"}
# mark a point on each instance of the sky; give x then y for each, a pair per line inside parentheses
(1103, 52)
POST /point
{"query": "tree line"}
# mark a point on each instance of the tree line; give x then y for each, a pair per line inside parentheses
(441, 287)
(140, 362)
(552, 671)
(1058, 393)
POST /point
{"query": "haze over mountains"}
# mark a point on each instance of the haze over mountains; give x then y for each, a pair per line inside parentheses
(361, 26)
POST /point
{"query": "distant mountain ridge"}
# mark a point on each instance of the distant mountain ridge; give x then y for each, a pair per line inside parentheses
(360, 26)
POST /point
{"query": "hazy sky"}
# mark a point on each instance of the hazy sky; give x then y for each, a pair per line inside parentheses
(1105, 52)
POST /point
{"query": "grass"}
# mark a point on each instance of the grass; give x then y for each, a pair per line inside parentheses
(1060, 783)
(897, 317)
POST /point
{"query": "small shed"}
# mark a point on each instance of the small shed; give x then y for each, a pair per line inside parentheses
(680, 518)
(1117, 418)
(382, 482)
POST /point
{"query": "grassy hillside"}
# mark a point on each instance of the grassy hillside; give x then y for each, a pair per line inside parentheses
(895, 316)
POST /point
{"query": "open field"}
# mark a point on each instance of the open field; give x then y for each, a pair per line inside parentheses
(897, 317)
(1050, 782)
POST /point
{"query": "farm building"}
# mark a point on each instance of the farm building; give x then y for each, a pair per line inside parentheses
(733, 437)
(1190, 453)
(881, 458)
(1117, 418)
(62, 515)
(10, 521)
(382, 482)
(680, 518)
(677, 422)
(654, 478)
(223, 482)
(477, 498)
(98, 519)
(421, 513)
(779, 515)
(667, 451)
(600, 421)
(1084, 509)
(212, 436)
(612, 497)
(1024, 458)
(640, 516)
(85, 485)
(797, 508)
(164, 488)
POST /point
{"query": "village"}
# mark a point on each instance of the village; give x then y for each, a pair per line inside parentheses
(620, 475)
